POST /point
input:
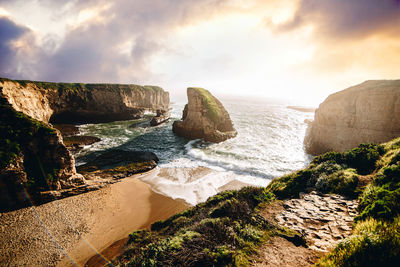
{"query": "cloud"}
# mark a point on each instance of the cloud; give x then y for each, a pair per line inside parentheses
(10, 32)
(347, 19)
(91, 49)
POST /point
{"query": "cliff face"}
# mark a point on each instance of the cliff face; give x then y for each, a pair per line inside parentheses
(368, 112)
(204, 117)
(82, 103)
(33, 157)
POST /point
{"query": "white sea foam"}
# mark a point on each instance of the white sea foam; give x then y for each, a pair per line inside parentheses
(269, 144)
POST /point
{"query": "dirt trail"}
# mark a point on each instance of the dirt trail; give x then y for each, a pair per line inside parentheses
(323, 220)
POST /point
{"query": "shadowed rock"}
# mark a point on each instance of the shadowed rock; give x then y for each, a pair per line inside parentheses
(204, 117)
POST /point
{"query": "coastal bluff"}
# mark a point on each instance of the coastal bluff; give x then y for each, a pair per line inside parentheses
(33, 155)
(204, 117)
(83, 103)
(365, 113)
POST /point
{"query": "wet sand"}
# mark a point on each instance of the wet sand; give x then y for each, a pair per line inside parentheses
(70, 231)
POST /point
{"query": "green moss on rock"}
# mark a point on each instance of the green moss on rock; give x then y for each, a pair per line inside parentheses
(213, 110)
(78, 87)
(19, 135)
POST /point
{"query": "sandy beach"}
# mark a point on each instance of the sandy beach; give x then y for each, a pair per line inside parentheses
(68, 232)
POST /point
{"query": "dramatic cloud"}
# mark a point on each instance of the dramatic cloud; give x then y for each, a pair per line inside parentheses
(352, 19)
(115, 41)
(10, 33)
(224, 45)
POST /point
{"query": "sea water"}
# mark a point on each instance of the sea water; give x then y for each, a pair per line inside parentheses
(269, 144)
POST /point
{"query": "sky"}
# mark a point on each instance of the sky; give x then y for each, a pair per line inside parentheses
(298, 50)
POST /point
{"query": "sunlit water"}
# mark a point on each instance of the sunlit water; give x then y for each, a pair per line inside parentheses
(269, 144)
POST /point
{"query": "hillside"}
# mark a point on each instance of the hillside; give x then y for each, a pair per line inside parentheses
(237, 228)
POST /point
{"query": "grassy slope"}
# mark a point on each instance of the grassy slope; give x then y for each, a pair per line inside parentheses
(226, 229)
(74, 87)
(213, 108)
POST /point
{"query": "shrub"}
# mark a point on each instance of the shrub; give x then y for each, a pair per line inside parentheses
(373, 243)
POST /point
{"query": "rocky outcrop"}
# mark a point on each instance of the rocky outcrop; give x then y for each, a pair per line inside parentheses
(365, 113)
(161, 117)
(33, 157)
(204, 117)
(83, 103)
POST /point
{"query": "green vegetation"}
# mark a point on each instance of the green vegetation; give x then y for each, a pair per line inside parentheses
(79, 87)
(210, 103)
(223, 231)
(376, 237)
(373, 243)
(332, 172)
(22, 135)
(227, 229)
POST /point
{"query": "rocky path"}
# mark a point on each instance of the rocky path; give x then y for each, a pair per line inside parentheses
(323, 220)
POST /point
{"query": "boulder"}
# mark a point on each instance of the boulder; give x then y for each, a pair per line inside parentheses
(365, 113)
(161, 117)
(204, 117)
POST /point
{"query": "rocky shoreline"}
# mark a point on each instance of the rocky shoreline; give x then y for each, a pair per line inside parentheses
(37, 158)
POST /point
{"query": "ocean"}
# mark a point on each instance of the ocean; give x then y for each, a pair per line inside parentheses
(269, 144)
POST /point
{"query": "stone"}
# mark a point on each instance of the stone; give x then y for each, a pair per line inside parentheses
(161, 117)
(365, 113)
(83, 103)
(71, 103)
(204, 117)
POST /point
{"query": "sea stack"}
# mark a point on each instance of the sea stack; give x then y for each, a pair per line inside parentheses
(365, 113)
(204, 117)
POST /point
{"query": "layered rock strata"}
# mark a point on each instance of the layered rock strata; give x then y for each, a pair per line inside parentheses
(204, 117)
(365, 113)
(83, 103)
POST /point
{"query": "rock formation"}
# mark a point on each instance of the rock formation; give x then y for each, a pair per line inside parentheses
(204, 117)
(33, 157)
(83, 103)
(365, 113)
(161, 117)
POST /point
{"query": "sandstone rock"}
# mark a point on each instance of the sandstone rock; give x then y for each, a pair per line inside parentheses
(161, 117)
(83, 103)
(204, 117)
(365, 113)
(43, 161)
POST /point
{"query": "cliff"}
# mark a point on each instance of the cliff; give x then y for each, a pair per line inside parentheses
(33, 157)
(368, 112)
(83, 103)
(204, 117)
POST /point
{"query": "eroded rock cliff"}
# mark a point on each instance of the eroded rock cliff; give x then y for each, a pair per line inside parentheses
(368, 112)
(33, 157)
(204, 117)
(83, 103)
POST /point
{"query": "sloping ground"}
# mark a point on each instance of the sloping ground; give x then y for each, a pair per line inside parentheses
(322, 219)
(292, 221)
